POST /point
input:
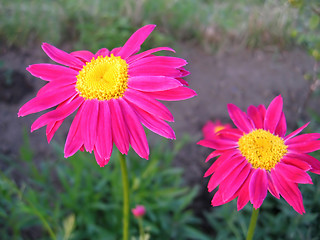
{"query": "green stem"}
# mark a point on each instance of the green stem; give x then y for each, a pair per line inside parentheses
(141, 230)
(253, 222)
(125, 184)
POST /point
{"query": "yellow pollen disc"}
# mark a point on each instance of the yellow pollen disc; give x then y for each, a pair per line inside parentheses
(103, 78)
(262, 149)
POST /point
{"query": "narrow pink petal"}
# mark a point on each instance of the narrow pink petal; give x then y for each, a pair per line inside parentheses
(214, 154)
(134, 42)
(147, 53)
(258, 187)
(255, 115)
(52, 128)
(271, 187)
(289, 191)
(296, 161)
(313, 162)
(183, 82)
(61, 57)
(47, 101)
(119, 128)
(226, 155)
(235, 180)
(304, 147)
(102, 52)
(281, 129)
(115, 51)
(217, 199)
(154, 70)
(243, 192)
(293, 173)
(58, 114)
(173, 62)
(100, 160)
(104, 143)
(219, 144)
(294, 133)
(153, 83)
(154, 123)
(74, 140)
(148, 104)
(303, 138)
(83, 55)
(273, 114)
(175, 94)
(230, 134)
(50, 72)
(138, 139)
(239, 118)
(88, 123)
(223, 171)
(56, 85)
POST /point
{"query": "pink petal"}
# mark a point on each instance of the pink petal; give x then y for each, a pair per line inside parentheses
(293, 173)
(102, 52)
(243, 193)
(147, 53)
(219, 144)
(119, 128)
(271, 187)
(217, 199)
(255, 116)
(294, 133)
(88, 123)
(100, 160)
(47, 101)
(115, 51)
(56, 85)
(303, 138)
(313, 162)
(148, 104)
(153, 83)
(153, 70)
(61, 57)
(289, 191)
(214, 154)
(235, 180)
(58, 114)
(273, 114)
(226, 155)
(154, 123)
(239, 118)
(74, 140)
(173, 62)
(134, 42)
(258, 187)
(304, 147)
(104, 143)
(83, 55)
(52, 128)
(294, 161)
(282, 126)
(138, 139)
(231, 134)
(223, 171)
(175, 94)
(50, 72)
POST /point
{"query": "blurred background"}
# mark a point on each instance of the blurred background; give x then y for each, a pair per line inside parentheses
(244, 52)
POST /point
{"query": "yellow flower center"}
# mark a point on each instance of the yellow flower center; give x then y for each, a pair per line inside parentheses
(103, 78)
(262, 149)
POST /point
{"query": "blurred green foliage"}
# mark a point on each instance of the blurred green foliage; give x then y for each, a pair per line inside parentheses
(97, 23)
(76, 199)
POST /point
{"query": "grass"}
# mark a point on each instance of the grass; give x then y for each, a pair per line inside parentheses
(95, 24)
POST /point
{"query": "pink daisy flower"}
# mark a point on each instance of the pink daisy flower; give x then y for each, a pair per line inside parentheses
(139, 211)
(258, 157)
(211, 129)
(113, 93)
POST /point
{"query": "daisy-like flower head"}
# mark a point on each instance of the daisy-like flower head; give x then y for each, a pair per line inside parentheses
(211, 129)
(258, 157)
(139, 211)
(113, 93)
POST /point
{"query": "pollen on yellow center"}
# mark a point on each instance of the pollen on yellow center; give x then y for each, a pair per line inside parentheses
(262, 149)
(103, 78)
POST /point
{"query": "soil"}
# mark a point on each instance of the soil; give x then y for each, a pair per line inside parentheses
(236, 76)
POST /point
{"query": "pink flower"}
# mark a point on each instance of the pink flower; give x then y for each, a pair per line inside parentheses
(211, 129)
(139, 211)
(113, 93)
(258, 157)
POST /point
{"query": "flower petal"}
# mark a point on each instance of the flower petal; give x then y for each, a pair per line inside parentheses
(313, 162)
(83, 55)
(297, 162)
(293, 173)
(303, 138)
(175, 94)
(102, 52)
(258, 187)
(172, 62)
(226, 155)
(239, 118)
(255, 116)
(147, 53)
(304, 147)
(271, 187)
(153, 70)
(100, 160)
(282, 126)
(134, 42)
(273, 114)
(51, 72)
(243, 193)
(219, 144)
(153, 83)
(294, 133)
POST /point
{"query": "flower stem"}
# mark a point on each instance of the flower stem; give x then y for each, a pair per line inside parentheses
(125, 184)
(141, 230)
(253, 222)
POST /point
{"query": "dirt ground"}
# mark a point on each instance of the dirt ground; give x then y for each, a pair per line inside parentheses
(241, 77)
